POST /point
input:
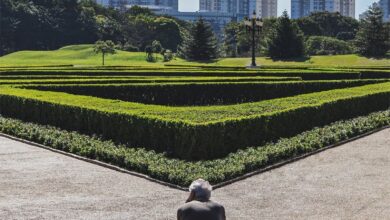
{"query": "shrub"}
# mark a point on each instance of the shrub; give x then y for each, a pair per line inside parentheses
(320, 45)
(181, 172)
(193, 132)
(192, 94)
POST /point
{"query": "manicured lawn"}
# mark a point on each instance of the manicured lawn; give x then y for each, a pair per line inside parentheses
(83, 55)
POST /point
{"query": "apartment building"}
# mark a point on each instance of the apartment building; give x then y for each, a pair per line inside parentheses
(264, 8)
(301, 8)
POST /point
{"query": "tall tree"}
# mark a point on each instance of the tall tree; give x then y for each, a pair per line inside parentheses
(104, 47)
(200, 44)
(286, 41)
(373, 36)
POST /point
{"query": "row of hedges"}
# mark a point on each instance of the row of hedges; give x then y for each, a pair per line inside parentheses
(183, 173)
(193, 132)
(191, 94)
(304, 74)
(99, 80)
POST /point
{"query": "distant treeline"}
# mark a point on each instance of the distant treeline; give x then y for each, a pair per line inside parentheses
(50, 24)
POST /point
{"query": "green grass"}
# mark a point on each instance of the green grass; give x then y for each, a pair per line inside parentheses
(321, 61)
(83, 55)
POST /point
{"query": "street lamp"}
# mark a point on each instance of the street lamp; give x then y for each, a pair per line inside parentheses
(254, 26)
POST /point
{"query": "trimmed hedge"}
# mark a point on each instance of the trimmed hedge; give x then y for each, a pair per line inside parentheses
(304, 74)
(183, 173)
(140, 79)
(193, 132)
(201, 93)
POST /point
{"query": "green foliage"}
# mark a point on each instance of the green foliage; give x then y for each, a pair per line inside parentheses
(200, 44)
(32, 25)
(183, 173)
(168, 55)
(373, 37)
(200, 132)
(328, 24)
(137, 10)
(286, 42)
(105, 48)
(319, 45)
(149, 54)
(157, 47)
(216, 93)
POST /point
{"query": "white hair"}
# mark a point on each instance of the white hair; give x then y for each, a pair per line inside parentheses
(201, 188)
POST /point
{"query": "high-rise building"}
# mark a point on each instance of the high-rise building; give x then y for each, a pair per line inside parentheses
(264, 8)
(267, 8)
(385, 6)
(301, 8)
(153, 4)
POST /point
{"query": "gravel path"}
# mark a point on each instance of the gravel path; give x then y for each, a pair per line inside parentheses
(348, 182)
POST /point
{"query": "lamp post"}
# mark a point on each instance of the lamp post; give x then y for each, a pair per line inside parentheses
(254, 26)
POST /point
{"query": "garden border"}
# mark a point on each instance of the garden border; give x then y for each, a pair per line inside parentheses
(216, 186)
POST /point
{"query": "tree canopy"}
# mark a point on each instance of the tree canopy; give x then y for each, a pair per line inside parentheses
(50, 24)
(286, 41)
(373, 37)
(201, 43)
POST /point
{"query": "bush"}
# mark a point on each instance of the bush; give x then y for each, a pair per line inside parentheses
(168, 55)
(193, 94)
(181, 172)
(319, 45)
(193, 132)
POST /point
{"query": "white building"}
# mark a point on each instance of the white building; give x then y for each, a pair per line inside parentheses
(263, 8)
(301, 8)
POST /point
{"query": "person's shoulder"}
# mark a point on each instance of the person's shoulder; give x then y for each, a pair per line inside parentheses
(216, 204)
(188, 205)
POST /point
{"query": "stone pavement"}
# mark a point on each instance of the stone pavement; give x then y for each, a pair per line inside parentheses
(348, 182)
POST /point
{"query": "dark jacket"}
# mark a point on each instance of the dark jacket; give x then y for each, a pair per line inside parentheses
(197, 210)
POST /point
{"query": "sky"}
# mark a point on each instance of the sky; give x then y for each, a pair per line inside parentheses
(193, 5)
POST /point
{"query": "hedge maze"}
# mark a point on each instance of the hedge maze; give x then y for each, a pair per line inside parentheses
(179, 124)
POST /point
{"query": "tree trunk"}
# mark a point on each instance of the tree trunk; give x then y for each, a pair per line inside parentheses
(103, 58)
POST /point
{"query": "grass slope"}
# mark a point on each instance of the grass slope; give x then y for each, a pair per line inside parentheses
(84, 55)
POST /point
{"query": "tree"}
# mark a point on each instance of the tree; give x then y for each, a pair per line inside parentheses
(149, 53)
(200, 44)
(321, 45)
(373, 35)
(104, 47)
(286, 41)
(157, 47)
(328, 24)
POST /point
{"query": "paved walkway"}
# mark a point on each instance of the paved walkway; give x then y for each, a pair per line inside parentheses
(348, 182)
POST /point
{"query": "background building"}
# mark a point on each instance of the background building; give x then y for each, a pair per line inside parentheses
(385, 5)
(264, 8)
(301, 8)
(154, 5)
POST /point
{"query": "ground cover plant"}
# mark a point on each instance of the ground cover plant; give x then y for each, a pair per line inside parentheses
(195, 94)
(196, 132)
(183, 172)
